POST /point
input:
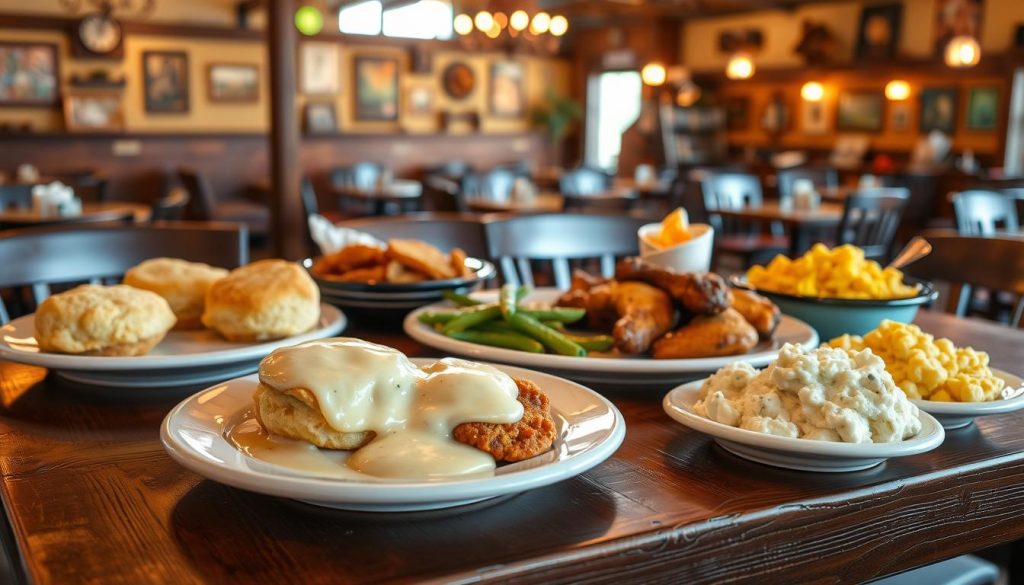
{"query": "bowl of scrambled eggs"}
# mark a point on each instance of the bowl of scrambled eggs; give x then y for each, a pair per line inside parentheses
(838, 291)
(677, 244)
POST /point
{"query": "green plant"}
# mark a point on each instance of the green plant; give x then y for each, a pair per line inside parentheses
(556, 115)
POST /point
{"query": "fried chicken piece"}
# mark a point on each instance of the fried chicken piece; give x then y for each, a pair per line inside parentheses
(369, 274)
(726, 333)
(421, 257)
(599, 303)
(457, 260)
(397, 273)
(701, 293)
(760, 312)
(530, 436)
(353, 257)
(635, 312)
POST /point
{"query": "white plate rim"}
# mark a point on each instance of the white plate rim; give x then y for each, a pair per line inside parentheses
(427, 336)
(333, 318)
(969, 409)
(396, 493)
(678, 404)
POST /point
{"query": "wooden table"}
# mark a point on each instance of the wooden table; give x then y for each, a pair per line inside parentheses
(112, 211)
(92, 497)
(541, 203)
(801, 224)
(402, 192)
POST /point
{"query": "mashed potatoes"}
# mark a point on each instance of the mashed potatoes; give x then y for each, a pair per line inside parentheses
(841, 272)
(928, 368)
(826, 395)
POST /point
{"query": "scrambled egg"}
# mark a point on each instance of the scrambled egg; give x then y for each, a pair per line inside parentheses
(928, 368)
(841, 272)
(826, 395)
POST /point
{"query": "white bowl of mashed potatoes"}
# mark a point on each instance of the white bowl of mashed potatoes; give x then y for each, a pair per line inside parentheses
(820, 410)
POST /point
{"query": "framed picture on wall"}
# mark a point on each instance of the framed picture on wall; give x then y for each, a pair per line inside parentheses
(938, 109)
(93, 111)
(982, 108)
(319, 68)
(813, 118)
(954, 18)
(233, 82)
(508, 89)
(737, 113)
(320, 118)
(879, 34)
(28, 74)
(165, 81)
(419, 99)
(860, 111)
(376, 81)
(899, 116)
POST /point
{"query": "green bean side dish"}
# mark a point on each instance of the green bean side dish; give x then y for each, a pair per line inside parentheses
(510, 325)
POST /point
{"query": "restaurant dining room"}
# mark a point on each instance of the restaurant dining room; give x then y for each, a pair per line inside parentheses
(511, 291)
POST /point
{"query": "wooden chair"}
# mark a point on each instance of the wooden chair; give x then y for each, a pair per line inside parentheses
(983, 213)
(820, 177)
(41, 257)
(441, 193)
(871, 218)
(583, 181)
(444, 230)
(15, 196)
(170, 207)
(746, 240)
(362, 177)
(88, 184)
(994, 263)
(204, 205)
(516, 241)
(495, 184)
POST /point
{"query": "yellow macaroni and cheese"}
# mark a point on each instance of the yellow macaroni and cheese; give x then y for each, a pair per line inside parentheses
(928, 368)
(841, 272)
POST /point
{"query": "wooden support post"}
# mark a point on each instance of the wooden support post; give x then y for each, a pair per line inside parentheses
(287, 221)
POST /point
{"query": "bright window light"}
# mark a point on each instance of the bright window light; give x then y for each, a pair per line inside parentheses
(426, 19)
(360, 19)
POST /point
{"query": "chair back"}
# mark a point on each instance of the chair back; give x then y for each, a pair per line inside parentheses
(983, 213)
(362, 176)
(730, 190)
(87, 183)
(560, 237)
(201, 198)
(495, 184)
(170, 207)
(871, 218)
(583, 181)
(443, 230)
(453, 169)
(310, 204)
(15, 196)
(44, 256)
(995, 263)
(441, 193)
(820, 177)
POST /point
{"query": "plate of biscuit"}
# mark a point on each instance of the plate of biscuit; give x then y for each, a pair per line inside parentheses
(172, 323)
(344, 423)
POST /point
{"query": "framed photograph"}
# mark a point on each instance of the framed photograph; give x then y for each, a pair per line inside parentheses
(776, 117)
(93, 111)
(938, 109)
(954, 18)
(860, 111)
(737, 113)
(879, 34)
(813, 118)
(320, 118)
(508, 89)
(982, 108)
(165, 81)
(28, 74)
(899, 116)
(376, 81)
(419, 99)
(233, 82)
(320, 68)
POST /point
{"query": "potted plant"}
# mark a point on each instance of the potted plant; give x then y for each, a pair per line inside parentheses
(555, 116)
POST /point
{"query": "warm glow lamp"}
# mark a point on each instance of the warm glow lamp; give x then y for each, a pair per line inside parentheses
(963, 51)
(519, 20)
(559, 25)
(812, 91)
(308, 20)
(740, 66)
(501, 20)
(541, 23)
(687, 94)
(653, 74)
(483, 20)
(897, 90)
(463, 24)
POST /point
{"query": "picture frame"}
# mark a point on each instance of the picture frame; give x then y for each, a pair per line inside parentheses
(860, 111)
(320, 118)
(899, 116)
(458, 80)
(165, 82)
(737, 113)
(507, 95)
(419, 99)
(93, 111)
(878, 36)
(320, 68)
(938, 109)
(955, 18)
(376, 88)
(983, 108)
(814, 119)
(233, 82)
(35, 79)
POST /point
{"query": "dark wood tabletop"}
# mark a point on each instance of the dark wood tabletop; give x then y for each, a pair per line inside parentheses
(91, 497)
(804, 225)
(92, 212)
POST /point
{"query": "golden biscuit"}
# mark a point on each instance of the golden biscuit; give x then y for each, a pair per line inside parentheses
(102, 320)
(181, 283)
(287, 416)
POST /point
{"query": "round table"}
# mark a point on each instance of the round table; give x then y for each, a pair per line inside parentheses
(402, 192)
(111, 211)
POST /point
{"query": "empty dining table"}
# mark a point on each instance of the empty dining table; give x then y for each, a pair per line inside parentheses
(92, 212)
(548, 202)
(402, 193)
(800, 223)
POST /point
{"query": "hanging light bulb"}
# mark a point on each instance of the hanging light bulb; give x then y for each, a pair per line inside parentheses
(519, 20)
(500, 20)
(812, 91)
(541, 23)
(740, 66)
(897, 90)
(463, 24)
(963, 51)
(559, 25)
(483, 21)
(687, 94)
(653, 74)
(495, 30)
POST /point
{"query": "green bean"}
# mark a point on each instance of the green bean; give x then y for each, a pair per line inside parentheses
(471, 318)
(516, 341)
(561, 314)
(556, 325)
(436, 317)
(498, 326)
(460, 299)
(507, 300)
(551, 339)
(522, 292)
(592, 342)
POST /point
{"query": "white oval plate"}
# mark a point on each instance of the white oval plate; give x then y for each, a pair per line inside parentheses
(635, 372)
(955, 415)
(801, 454)
(182, 358)
(590, 429)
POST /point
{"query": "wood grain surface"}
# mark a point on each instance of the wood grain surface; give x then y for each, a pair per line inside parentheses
(92, 498)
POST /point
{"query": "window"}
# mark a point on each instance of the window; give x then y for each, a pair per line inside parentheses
(424, 19)
(613, 105)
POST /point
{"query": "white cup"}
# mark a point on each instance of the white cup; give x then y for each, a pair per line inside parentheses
(693, 255)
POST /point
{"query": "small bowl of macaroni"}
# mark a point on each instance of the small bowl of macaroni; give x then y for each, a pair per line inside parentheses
(838, 291)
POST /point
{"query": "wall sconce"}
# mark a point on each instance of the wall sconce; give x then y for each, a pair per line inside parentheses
(309, 20)
(897, 90)
(740, 66)
(963, 51)
(653, 74)
(812, 91)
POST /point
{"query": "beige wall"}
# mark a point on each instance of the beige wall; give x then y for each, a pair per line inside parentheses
(207, 12)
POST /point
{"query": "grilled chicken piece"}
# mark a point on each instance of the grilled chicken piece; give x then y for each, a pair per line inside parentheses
(701, 293)
(726, 333)
(635, 312)
(760, 312)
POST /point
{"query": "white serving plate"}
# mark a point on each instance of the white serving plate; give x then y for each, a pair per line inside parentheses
(800, 454)
(955, 415)
(590, 429)
(628, 372)
(183, 358)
